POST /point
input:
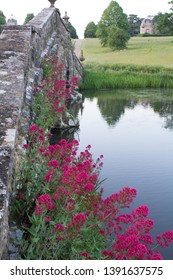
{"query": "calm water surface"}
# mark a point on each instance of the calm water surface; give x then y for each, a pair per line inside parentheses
(134, 132)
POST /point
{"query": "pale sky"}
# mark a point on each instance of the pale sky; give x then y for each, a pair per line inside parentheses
(81, 12)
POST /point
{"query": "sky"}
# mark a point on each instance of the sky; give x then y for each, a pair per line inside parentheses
(81, 12)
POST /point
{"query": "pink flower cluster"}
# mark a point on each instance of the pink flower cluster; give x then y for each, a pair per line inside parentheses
(59, 227)
(74, 185)
(44, 202)
(165, 239)
(79, 220)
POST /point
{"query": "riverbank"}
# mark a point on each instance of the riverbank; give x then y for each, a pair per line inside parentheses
(146, 63)
(114, 76)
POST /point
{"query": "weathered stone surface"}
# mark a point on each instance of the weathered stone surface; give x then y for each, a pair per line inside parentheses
(22, 50)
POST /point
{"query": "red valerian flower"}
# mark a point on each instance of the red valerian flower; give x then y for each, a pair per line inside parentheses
(58, 227)
(85, 254)
(26, 146)
(89, 187)
(53, 163)
(47, 219)
(33, 129)
(102, 232)
(108, 253)
(79, 219)
(41, 150)
(165, 239)
(45, 200)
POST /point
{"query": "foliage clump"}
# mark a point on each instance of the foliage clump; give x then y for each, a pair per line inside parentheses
(90, 30)
(29, 16)
(2, 18)
(113, 28)
(72, 30)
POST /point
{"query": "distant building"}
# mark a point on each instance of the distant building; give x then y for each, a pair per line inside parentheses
(148, 26)
(11, 21)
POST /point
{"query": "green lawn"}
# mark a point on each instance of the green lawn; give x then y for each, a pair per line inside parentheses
(141, 50)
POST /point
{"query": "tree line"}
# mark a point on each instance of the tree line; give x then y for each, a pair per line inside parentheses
(115, 28)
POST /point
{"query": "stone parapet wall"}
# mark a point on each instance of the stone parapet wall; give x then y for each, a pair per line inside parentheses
(22, 50)
(50, 36)
(14, 55)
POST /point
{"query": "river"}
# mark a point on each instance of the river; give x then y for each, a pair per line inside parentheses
(134, 132)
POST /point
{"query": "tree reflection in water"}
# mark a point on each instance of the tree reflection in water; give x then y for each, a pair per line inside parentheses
(112, 105)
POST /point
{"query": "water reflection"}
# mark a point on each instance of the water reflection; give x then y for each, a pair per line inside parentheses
(112, 105)
(133, 130)
(165, 110)
(112, 108)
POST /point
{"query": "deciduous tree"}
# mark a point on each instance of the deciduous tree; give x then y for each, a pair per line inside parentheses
(2, 18)
(117, 38)
(28, 17)
(164, 23)
(134, 23)
(72, 30)
(90, 30)
(113, 18)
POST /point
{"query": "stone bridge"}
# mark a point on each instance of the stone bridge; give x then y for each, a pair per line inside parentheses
(22, 49)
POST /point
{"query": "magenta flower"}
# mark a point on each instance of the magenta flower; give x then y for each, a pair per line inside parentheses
(45, 200)
(41, 130)
(165, 239)
(140, 212)
(38, 210)
(79, 219)
(26, 146)
(49, 134)
(53, 163)
(58, 227)
(93, 178)
(33, 129)
(85, 254)
(107, 253)
(56, 196)
(41, 150)
(60, 109)
(89, 187)
(47, 219)
(102, 232)
(42, 138)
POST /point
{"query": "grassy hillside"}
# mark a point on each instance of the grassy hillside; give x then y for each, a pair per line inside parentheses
(146, 63)
(141, 50)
